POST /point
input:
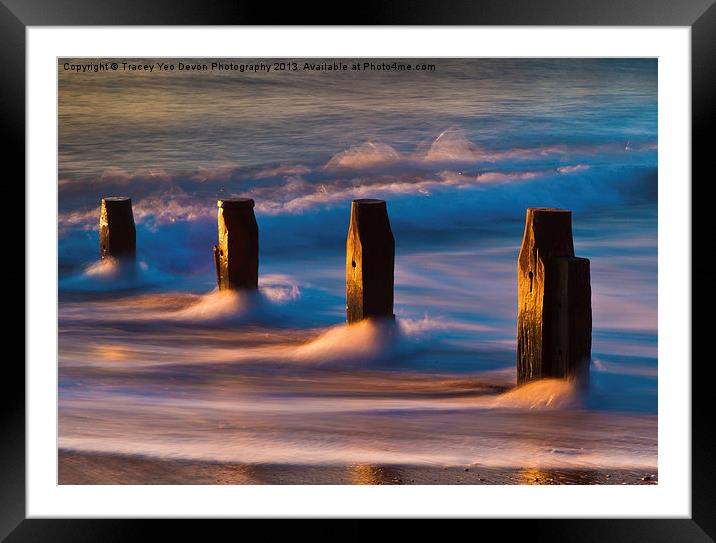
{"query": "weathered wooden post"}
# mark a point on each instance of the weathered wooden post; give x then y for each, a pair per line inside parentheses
(370, 259)
(237, 255)
(117, 233)
(554, 319)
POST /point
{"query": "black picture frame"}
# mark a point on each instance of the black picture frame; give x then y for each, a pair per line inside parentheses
(700, 15)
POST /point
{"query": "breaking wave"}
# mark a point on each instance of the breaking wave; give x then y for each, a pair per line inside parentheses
(372, 168)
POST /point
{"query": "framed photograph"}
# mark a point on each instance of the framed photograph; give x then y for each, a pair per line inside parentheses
(435, 265)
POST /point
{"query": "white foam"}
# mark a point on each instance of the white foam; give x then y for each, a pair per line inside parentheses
(542, 394)
(363, 342)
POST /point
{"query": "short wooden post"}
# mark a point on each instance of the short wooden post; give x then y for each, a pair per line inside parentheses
(117, 233)
(554, 322)
(236, 256)
(370, 260)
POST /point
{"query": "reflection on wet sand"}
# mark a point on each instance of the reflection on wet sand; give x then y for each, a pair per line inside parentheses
(364, 474)
(89, 469)
(236, 475)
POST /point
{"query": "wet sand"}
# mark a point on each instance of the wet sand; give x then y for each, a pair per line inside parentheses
(78, 468)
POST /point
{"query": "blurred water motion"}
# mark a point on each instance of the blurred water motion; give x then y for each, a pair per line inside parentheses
(154, 362)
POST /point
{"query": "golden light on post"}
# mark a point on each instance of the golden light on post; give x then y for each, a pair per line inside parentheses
(370, 261)
(236, 256)
(554, 322)
(117, 233)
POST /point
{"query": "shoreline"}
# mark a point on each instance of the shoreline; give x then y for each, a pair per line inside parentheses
(83, 468)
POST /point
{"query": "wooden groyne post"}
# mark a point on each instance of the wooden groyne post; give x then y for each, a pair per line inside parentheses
(117, 233)
(370, 261)
(554, 322)
(237, 254)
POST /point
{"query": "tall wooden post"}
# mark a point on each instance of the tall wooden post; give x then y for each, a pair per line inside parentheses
(554, 322)
(237, 255)
(117, 233)
(370, 259)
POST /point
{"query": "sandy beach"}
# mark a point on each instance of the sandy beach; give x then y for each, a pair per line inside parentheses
(100, 469)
